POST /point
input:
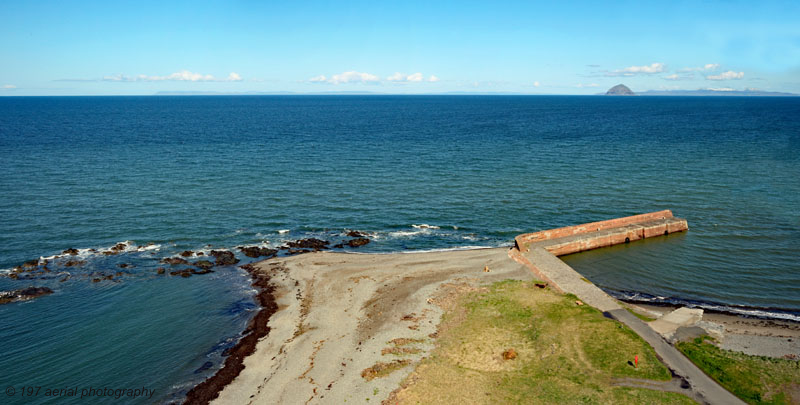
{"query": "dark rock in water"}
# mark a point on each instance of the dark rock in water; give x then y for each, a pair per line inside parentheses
(620, 90)
(73, 263)
(186, 253)
(30, 264)
(355, 234)
(23, 294)
(297, 251)
(255, 251)
(119, 247)
(207, 365)
(200, 253)
(204, 264)
(71, 251)
(161, 270)
(357, 242)
(338, 246)
(185, 273)
(204, 271)
(125, 266)
(310, 243)
(224, 257)
(174, 260)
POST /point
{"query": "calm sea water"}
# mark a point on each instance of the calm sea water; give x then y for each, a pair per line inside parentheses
(201, 172)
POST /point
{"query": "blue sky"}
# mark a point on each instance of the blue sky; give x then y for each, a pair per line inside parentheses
(142, 47)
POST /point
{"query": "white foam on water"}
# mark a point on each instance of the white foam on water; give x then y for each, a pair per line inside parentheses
(283, 231)
(424, 226)
(405, 234)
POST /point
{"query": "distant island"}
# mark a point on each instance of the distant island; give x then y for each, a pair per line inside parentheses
(620, 90)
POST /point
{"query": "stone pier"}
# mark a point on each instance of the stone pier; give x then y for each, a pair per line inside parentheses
(539, 250)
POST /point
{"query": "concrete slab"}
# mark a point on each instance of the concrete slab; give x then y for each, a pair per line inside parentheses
(669, 323)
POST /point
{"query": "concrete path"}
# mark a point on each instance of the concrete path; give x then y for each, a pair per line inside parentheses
(550, 268)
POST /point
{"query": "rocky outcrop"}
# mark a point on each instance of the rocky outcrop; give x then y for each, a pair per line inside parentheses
(310, 243)
(71, 251)
(255, 251)
(620, 90)
(224, 257)
(23, 294)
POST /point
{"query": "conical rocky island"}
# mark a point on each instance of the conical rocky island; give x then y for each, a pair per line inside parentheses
(620, 90)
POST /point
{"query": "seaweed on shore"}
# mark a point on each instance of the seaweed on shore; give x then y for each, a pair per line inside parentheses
(209, 389)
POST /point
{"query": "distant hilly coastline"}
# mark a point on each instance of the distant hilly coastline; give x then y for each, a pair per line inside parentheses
(623, 90)
(717, 92)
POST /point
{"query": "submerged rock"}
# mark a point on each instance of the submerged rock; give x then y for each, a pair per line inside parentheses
(224, 257)
(30, 264)
(255, 251)
(73, 263)
(187, 253)
(355, 234)
(204, 264)
(185, 273)
(71, 252)
(23, 294)
(357, 242)
(174, 261)
(207, 365)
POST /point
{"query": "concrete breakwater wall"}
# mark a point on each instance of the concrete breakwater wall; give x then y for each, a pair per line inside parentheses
(593, 235)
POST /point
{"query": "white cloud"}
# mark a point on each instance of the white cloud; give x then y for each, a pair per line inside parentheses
(729, 75)
(676, 76)
(182, 76)
(347, 77)
(536, 84)
(582, 85)
(635, 70)
(707, 67)
(404, 78)
(433, 79)
(9, 86)
(720, 89)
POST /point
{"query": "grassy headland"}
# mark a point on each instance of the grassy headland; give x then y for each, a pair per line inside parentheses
(515, 343)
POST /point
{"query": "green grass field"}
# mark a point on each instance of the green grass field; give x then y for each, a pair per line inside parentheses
(565, 353)
(754, 379)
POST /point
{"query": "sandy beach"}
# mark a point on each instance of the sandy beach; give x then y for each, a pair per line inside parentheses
(337, 312)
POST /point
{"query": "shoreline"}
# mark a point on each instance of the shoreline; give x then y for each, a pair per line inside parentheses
(257, 328)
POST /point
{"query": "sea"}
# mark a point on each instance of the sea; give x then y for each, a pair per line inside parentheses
(164, 174)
